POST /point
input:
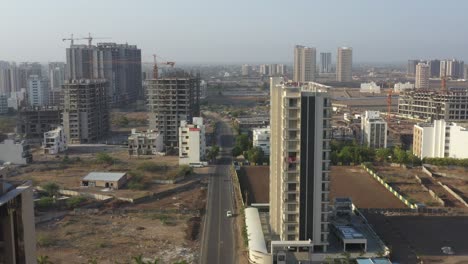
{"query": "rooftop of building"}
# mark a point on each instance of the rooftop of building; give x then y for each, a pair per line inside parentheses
(10, 189)
(84, 81)
(104, 176)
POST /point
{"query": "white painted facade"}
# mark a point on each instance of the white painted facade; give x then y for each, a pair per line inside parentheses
(192, 142)
(371, 87)
(398, 87)
(15, 152)
(261, 139)
(55, 141)
(373, 130)
(440, 139)
(145, 143)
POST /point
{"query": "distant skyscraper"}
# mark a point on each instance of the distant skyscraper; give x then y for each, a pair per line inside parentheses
(246, 70)
(344, 64)
(56, 74)
(86, 110)
(5, 84)
(465, 71)
(273, 69)
(304, 64)
(299, 162)
(119, 64)
(265, 69)
(38, 91)
(281, 69)
(325, 62)
(434, 66)
(422, 76)
(452, 68)
(411, 69)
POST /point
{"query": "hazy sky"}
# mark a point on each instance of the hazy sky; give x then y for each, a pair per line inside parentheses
(238, 31)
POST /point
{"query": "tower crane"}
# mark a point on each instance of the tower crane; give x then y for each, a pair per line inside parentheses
(72, 39)
(155, 67)
(90, 38)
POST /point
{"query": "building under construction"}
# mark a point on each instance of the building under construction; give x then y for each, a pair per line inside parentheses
(86, 110)
(33, 122)
(424, 104)
(171, 99)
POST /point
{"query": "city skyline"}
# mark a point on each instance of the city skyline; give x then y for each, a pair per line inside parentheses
(203, 32)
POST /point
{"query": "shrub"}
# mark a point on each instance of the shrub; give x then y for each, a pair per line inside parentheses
(45, 202)
(51, 188)
(46, 241)
(104, 158)
(75, 201)
(184, 170)
(149, 166)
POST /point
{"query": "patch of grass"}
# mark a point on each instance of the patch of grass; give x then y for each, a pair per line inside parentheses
(149, 166)
(104, 158)
(75, 201)
(45, 203)
(46, 241)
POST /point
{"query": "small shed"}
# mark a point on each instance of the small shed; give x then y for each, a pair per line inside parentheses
(114, 180)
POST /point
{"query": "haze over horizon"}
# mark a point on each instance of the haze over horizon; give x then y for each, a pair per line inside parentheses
(239, 31)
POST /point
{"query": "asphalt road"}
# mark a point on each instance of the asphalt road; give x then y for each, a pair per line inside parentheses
(218, 241)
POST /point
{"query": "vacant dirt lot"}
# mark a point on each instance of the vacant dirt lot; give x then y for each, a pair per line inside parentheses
(114, 234)
(424, 236)
(404, 182)
(254, 180)
(365, 191)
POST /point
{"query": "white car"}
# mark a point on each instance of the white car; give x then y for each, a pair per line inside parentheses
(228, 214)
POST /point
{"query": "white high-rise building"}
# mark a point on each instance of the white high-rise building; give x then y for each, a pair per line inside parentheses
(192, 143)
(325, 62)
(261, 139)
(246, 70)
(422, 76)
(304, 64)
(56, 74)
(440, 139)
(281, 69)
(264, 69)
(38, 91)
(55, 141)
(398, 87)
(373, 130)
(344, 64)
(300, 163)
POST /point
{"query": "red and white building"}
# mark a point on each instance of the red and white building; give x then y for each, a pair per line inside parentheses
(192, 143)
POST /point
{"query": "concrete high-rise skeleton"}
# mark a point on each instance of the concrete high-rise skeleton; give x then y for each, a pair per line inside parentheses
(171, 100)
(304, 64)
(299, 162)
(119, 64)
(344, 64)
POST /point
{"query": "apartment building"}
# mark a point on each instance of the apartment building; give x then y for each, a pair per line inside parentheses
(440, 139)
(170, 101)
(300, 163)
(450, 106)
(86, 111)
(373, 130)
(399, 87)
(325, 62)
(3, 104)
(246, 70)
(371, 87)
(261, 139)
(192, 142)
(38, 91)
(422, 76)
(344, 64)
(55, 141)
(17, 229)
(304, 64)
(145, 143)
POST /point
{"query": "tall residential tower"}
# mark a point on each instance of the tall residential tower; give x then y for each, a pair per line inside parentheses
(299, 162)
(304, 64)
(422, 76)
(344, 64)
(325, 62)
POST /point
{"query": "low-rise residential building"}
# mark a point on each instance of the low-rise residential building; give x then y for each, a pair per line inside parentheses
(55, 141)
(261, 139)
(145, 143)
(371, 87)
(246, 124)
(17, 229)
(15, 152)
(398, 87)
(373, 130)
(113, 180)
(192, 142)
(440, 139)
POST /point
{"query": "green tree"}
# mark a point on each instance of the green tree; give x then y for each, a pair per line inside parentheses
(212, 152)
(243, 142)
(345, 155)
(382, 154)
(255, 155)
(102, 157)
(236, 151)
(51, 188)
(400, 155)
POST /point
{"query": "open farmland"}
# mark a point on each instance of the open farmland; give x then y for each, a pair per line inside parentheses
(365, 191)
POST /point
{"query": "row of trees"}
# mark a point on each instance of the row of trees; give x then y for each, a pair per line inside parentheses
(350, 152)
(243, 146)
(446, 162)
